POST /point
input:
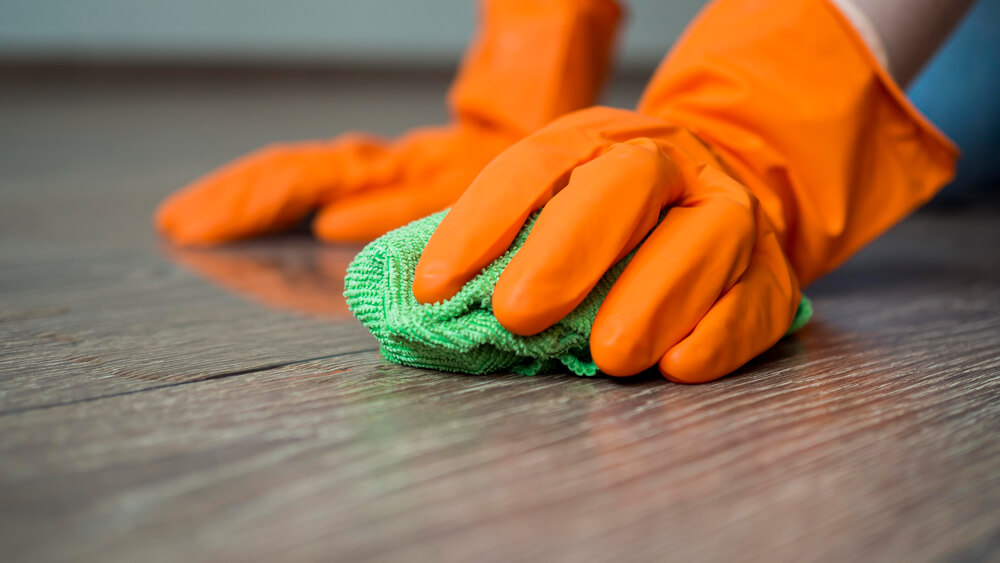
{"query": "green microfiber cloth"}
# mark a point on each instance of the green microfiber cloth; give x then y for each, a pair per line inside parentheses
(461, 334)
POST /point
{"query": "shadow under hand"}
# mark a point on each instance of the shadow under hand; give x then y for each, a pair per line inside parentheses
(289, 273)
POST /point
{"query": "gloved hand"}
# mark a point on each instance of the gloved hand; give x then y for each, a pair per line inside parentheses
(532, 61)
(362, 186)
(779, 147)
(711, 267)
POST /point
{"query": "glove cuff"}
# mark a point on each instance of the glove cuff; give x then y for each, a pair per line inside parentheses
(792, 98)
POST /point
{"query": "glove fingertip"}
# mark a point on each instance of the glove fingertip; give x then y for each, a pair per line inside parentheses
(182, 221)
(163, 221)
(433, 282)
(340, 226)
(517, 316)
(688, 364)
(611, 357)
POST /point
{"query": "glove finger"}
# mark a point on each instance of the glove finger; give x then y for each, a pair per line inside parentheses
(608, 206)
(366, 216)
(750, 318)
(270, 190)
(698, 251)
(485, 220)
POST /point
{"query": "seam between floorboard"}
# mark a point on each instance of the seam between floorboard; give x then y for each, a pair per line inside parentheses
(212, 377)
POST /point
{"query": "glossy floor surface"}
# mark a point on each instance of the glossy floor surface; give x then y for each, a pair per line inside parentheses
(167, 405)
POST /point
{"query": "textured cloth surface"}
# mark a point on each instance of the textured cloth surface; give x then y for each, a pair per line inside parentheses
(461, 334)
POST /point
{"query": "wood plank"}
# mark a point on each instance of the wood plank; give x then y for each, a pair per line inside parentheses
(835, 444)
(75, 327)
(870, 435)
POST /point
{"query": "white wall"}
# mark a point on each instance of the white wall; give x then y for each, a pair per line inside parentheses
(360, 31)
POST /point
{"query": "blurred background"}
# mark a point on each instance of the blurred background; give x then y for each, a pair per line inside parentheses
(959, 90)
(392, 33)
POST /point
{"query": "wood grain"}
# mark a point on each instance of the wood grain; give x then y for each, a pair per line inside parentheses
(218, 406)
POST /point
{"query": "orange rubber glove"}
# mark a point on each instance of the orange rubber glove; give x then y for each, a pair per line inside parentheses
(778, 146)
(532, 61)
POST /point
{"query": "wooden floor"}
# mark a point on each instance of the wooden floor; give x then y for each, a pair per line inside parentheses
(158, 405)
